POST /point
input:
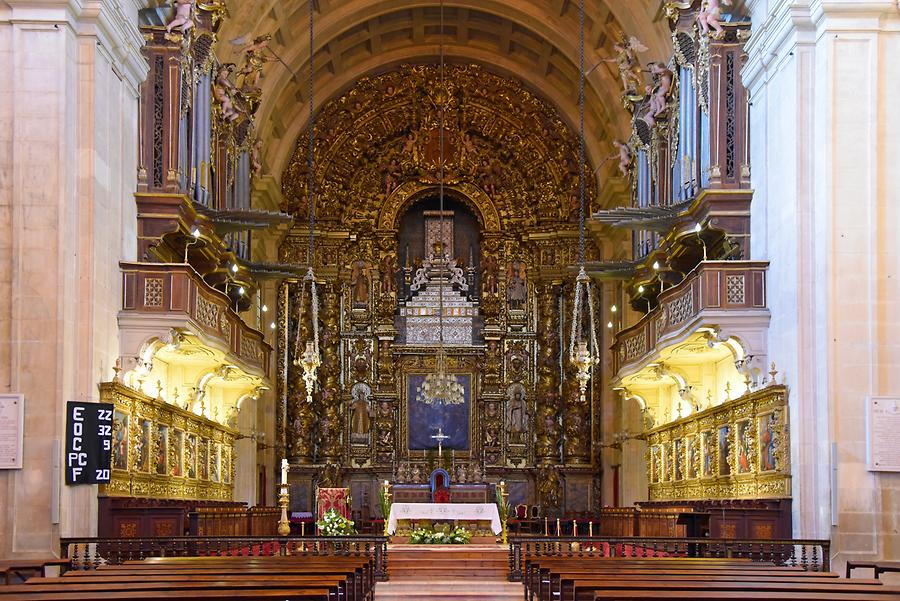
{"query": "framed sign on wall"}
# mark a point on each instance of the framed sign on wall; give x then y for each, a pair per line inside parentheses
(882, 442)
(12, 427)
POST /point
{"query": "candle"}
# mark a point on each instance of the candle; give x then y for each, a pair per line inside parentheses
(284, 471)
(574, 527)
(557, 527)
(546, 528)
(386, 483)
(590, 529)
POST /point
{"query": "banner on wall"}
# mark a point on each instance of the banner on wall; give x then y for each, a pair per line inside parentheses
(88, 442)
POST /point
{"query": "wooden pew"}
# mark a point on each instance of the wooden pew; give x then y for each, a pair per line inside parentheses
(585, 579)
(16, 566)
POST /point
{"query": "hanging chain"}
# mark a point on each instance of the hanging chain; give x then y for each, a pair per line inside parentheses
(581, 150)
(441, 195)
(310, 184)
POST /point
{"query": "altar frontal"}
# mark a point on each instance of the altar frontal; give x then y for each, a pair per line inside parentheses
(481, 519)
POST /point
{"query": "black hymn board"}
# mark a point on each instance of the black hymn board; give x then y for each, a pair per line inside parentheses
(88, 442)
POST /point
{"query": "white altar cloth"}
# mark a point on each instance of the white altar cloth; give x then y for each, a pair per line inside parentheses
(444, 511)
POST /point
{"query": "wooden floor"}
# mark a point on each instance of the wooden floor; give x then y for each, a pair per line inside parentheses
(450, 572)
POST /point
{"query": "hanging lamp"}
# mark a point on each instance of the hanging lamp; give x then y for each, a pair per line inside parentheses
(441, 388)
(309, 359)
(583, 348)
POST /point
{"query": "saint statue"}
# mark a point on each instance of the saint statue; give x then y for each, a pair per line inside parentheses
(359, 284)
(518, 414)
(360, 416)
(516, 285)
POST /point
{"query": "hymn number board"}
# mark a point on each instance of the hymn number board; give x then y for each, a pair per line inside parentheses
(88, 442)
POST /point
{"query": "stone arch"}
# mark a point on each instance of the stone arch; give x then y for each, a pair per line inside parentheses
(411, 191)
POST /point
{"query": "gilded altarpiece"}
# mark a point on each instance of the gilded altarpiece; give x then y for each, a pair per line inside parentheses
(161, 451)
(510, 163)
(736, 450)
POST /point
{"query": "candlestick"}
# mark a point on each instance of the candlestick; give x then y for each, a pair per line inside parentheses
(574, 527)
(284, 525)
(284, 471)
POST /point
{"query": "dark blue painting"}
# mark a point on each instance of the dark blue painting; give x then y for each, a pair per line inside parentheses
(425, 418)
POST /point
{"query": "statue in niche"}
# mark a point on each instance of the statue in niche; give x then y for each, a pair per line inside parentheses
(710, 16)
(489, 275)
(516, 285)
(361, 413)
(477, 473)
(184, 16)
(388, 269)
(518, 414)
(416, 475)
(403, 472)
(359, 284)
(767, 440)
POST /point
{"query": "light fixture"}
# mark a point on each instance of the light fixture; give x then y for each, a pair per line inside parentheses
(655, 265)
(195, 234)
(241, 291)
(641, 289)
(581, 345)
(309, 360)
(234, 268)
(441, 388)
(265, 308)
(698, 228)
(609, 325)
(272, 325)
(614, 308)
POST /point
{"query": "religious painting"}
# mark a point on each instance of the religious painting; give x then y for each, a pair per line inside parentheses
(430, 420)
(214, 456)
(679, 459)
(692, 459)
(203, 459)
(724, 451)
(360, 413)
(143, 448)
(516, 285)
(176, 455)
(190, 456)
(708, 451)
(743, 447)
(665, 464)
(517, 419)
(162, 450)
(655, 463)
(767, 460)
(121, 422)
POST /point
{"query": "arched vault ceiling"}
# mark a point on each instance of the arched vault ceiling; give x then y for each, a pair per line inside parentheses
(535, 41)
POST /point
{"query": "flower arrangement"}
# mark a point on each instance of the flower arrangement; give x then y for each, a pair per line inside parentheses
(334, 524)
(440, 536)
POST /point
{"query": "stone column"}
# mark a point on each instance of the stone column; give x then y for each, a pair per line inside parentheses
(825, 135)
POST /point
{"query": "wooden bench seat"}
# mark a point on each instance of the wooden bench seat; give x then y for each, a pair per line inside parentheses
(16, 567)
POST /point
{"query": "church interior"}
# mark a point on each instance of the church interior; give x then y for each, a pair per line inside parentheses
(561, 288)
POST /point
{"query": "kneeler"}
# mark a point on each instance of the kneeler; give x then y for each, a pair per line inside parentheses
(332, 498)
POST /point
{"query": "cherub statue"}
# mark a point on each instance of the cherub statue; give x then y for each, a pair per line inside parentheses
(625, 156)
(254, 59)
(627, 61)
(709, 16)
(223, 90)
(184, 16)
(255, 158)
(659, 97)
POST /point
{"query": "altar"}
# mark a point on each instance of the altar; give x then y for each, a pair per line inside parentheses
(481, 519)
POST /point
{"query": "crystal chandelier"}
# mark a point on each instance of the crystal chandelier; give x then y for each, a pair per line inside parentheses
(441, 388)
(309, 359)
(583, 349)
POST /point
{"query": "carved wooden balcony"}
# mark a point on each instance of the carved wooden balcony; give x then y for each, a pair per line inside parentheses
(158, 298)
(716, 294)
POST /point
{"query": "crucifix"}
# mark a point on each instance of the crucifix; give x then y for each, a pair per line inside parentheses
(440, 437)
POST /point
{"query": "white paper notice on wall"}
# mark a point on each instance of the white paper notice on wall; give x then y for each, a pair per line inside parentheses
(883, 429)
(12, 424)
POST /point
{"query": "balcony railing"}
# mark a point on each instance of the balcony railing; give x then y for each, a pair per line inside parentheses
(714, 290)
(174, 295)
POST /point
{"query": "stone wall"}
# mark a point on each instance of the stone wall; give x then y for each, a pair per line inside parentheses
(68, 117)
